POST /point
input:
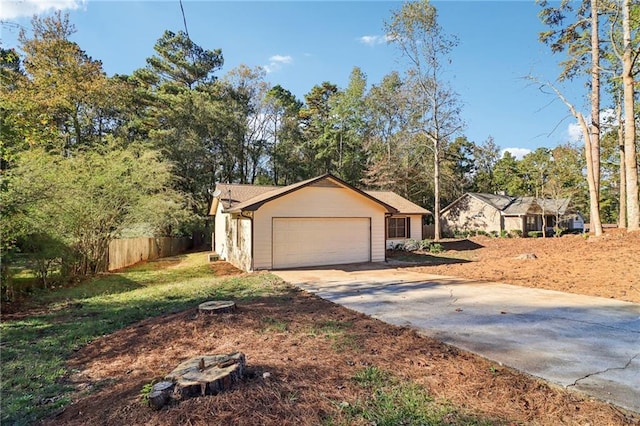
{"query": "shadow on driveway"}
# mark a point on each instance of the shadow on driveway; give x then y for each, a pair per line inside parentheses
(586, 343)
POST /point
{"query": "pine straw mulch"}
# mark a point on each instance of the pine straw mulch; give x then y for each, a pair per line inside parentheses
(606, 266)
(311, 348)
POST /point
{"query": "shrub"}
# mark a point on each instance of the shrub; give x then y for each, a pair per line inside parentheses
(411, 245)
(516, 233)
(504, 234)
(436, 248)
(534, 234)
(558, 231)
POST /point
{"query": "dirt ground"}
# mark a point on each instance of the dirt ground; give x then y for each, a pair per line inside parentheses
(311, 370)
(607, 266)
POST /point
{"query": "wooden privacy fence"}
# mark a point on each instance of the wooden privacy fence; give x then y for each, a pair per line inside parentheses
(130, 251)
(428, 231)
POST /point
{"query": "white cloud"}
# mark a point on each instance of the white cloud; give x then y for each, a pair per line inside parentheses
(574, 132)
(372, 40)
(12, 9)
(608, 122)
(519, 153)
(276, 62)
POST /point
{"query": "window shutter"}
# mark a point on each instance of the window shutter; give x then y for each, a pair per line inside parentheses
(408, 227)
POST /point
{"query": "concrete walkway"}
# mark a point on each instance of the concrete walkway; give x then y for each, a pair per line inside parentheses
(590, 344)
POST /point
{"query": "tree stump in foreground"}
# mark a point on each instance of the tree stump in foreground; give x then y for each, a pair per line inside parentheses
(217, 307)
(207, 374)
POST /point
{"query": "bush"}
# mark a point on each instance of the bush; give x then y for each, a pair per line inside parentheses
(534, 234)
(558, 231)
(517, 233)
(411, 245)
(504, 234)
(436, 248)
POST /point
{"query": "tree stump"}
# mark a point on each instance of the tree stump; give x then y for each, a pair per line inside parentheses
(160, 394)
(207, 374)
(217, 307)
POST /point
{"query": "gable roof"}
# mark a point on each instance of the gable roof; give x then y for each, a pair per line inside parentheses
(518, 206)
(403, 205)
(532, 205)
(251, 197)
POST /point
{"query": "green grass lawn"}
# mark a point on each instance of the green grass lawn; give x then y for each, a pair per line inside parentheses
(33, 350)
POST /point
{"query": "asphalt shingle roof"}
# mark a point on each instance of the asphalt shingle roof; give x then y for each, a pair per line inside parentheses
(236, 197)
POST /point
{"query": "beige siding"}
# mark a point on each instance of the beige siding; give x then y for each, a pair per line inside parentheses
(232, 238)
(513, 222)
(317, 202)
(471, 214)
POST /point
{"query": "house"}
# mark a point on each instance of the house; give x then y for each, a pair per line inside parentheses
(406, 223)
(494, 213)
(319, 221)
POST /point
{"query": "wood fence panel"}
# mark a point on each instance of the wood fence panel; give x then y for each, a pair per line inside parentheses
(129, 251)
(428, 232)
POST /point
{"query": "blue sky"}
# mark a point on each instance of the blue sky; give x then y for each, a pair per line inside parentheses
(303, 43)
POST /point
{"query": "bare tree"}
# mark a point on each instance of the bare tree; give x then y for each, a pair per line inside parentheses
(573, 38)
(415, 30)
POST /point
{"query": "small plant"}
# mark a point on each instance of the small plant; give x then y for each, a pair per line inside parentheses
(504, 233)
(436, 248)
(145, 391)
(534, 234)
(516, 233)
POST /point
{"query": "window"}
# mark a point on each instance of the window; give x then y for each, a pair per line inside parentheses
(531, 223)
(398, 227)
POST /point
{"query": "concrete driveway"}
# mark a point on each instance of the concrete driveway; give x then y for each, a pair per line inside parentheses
(590, 344)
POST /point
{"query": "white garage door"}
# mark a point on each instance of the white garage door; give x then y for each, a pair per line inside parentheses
(312, 241)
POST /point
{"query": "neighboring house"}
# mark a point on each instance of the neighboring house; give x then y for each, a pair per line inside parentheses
(496, 213)
(320, 221)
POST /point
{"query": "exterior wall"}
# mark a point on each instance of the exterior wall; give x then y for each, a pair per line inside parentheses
(415, 230)
(514, 222)
(315, 201)
(470, 214)
(232, 239)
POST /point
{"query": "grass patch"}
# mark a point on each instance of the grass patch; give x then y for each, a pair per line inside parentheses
(336, 331)
(274, 325)
(34, 349)
(393, 402)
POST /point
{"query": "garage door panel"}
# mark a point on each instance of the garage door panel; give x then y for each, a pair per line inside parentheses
(299, 242)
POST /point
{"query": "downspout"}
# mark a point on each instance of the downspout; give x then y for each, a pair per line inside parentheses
(250, 217)
(386, 216)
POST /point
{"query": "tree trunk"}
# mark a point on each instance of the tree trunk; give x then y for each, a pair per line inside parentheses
(592, 148)
(622, 214)
(436, 192)
(631, 166)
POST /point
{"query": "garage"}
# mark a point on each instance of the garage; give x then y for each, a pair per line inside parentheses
(316, 241)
